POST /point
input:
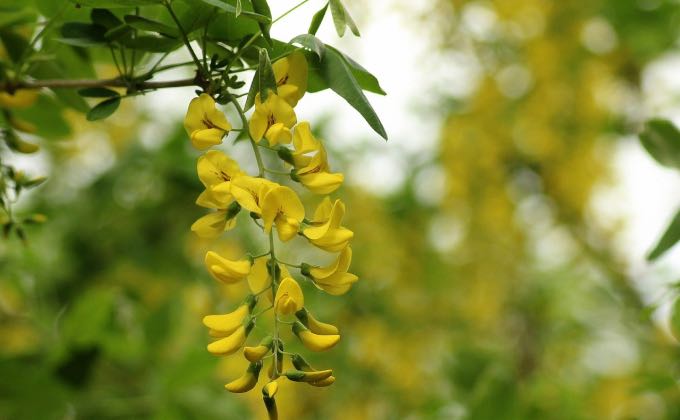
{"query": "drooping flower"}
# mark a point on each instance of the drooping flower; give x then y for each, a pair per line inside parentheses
(334, 278)
(290, 73)
(224, 270)
(248, 191)
(315, 342)
(213, 224)
(281, 206)
(326, 232)
(260, 278)
(225, 325)
(289, 298)
(272, 119)
(253, 354)
(314, 325)
(313, 171)
(247, 381)
(205, 124)
(231, 343)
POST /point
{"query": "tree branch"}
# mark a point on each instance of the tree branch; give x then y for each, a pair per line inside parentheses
(12, 86)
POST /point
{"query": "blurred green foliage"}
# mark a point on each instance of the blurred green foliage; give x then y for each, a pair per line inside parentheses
(525, 313)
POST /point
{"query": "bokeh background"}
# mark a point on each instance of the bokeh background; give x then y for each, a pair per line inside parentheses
(500, 233)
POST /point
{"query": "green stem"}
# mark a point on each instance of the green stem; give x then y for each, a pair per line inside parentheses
(185, 38)
(244, 121)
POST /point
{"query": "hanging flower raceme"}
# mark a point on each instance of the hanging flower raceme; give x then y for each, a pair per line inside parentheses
(205, 124)
(272, 207)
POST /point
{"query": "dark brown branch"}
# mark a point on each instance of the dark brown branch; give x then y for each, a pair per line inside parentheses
(89, 83)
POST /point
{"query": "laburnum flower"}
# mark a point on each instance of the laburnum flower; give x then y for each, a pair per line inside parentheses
(224, 270)
(225, 324)
(231, 343)
(281, 206)
(214, 224)
(313, 171)
(290, 73)
(334, 278)
(315, 342)
(326, 232)
(253, 354)
(205, 124)
(272, 119)
(247, 381)
(289, 297)
(19, 99)
(314, 325)
(216, 168)
(248, 191)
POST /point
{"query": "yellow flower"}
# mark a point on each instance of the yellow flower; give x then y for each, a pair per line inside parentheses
(216, 169)
(248, 191)
(301, 364)
(313, 171)
(205, 124)
(315, 342)
(253, 354)
(272, 120)
(19, 99)
(289, 298)
(270, 389)
(308, 376)
(224, 270)
(230, 344)
(314, 325)
(281, 206)
(291, 77)
(334, 279)
(247, 381)
(214, 224)
(326, 232)
(225, 325)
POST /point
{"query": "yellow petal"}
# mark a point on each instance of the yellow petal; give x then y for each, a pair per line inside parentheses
(278, 134)
(289, 298)
(230, 344)
(341, 264)
(315, 342)
(205, 138)
(254, 354)
(226, 323)
(334, 240)
(213, 225)
(326, 382)
(322, 182)
(303, 139)
(270, 389)
(284, 201)
(224, 270)
(215, 167)
(247, 381)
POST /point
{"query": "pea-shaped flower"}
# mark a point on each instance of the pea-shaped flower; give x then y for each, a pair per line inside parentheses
(248, 191)
(313, 171)
(289, 298)
(224, 270)
(282, 207)
(290, 73)
(326, 232)
(205, 124)
(334, 278)
(272, 119)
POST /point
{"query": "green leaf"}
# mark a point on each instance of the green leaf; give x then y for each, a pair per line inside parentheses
(145, 24)
(105, 18)
(668, 239)
(231, 9)
(261, 7)
(239, 8)
(342, 19)
(104, 109)
(675, 319)
(81, 34)
(97, 92)
(661, 139)
(337, 74)
(152, 43)
(14, 44)
(310, 42)
(316, 20)
(366, 80)
(114, 3)
(265, 76)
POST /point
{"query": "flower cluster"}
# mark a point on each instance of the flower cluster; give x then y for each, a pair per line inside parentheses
(273, 207)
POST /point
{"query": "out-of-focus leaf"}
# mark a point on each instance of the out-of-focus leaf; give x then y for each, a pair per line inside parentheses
(82, 34)
(19, 17)
(145, 24)
(97, 92)
(675, 319)
(661, 139)
(670, 237)
(151, 43)
(103, 109)
(115, 3)
(342, 19)
(316, 20)
(231, 9)
(14, 44)
(47, 116)
(88, 320)
(105, 18)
